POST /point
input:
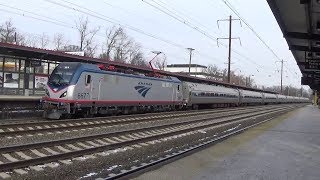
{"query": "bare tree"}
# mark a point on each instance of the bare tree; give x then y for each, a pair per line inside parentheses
(113, 35)
(44, 40)
(122, 48)
(7, 32)
(134, 50)
(213, 72)
(161, 63)
(21, 39)
(138, 60)
(86, 36)
(31, 40)
(59, 41)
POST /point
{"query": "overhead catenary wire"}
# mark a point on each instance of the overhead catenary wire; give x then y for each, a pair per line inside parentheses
(187, 23)
(230, 6)
(234, 10)
(186, 14)
(113, 21)
(50, 20)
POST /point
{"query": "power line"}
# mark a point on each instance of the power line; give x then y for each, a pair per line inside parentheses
(181, 19)
(187, 23)
(229, 5)
(34, 14)
(36, 18)
(177, 12)
(113, 21)
(64, 24)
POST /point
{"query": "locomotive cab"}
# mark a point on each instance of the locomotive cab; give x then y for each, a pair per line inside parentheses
(60, 79)
(59, 89)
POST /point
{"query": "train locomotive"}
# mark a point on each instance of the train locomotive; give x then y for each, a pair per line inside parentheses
(85, 89)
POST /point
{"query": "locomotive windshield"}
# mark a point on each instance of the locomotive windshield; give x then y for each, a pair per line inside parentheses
(62, 74)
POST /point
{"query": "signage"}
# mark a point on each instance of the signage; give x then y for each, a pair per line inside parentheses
(35, 63)
(312, 64)
(78, 53)
(40, 81)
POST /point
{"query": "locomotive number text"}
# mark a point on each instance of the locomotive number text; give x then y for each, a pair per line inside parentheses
(83, 95)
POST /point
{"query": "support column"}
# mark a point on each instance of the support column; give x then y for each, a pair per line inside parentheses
(315, 100)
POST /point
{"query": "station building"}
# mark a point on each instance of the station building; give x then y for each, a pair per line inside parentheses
(196, 70)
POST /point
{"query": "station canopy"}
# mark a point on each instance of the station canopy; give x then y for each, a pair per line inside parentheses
(299, 21)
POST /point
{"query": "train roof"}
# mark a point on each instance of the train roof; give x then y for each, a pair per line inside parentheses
(95, 69)
(206, 87)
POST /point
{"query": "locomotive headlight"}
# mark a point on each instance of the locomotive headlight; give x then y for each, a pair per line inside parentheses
(47, 93)
(63, 95)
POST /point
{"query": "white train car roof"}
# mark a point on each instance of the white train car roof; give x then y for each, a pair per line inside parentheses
(211, 88)
(269, 95)
(251, 93)
(280, 96)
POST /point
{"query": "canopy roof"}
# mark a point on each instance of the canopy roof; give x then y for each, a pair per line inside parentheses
(299, 21)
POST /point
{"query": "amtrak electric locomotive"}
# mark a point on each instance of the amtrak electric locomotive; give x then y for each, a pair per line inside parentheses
(89, 89)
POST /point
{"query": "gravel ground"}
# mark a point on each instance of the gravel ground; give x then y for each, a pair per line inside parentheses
(116, 160)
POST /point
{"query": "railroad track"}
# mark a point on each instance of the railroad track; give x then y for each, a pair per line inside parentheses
(16, 158)
(105, 122)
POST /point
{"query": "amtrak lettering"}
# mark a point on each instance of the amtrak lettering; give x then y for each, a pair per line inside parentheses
(145, 83)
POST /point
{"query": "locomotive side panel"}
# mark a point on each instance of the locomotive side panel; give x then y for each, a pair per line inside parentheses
(119, 89)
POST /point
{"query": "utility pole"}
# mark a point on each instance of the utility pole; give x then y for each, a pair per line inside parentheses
(281, 77)
(229, 38)
(190, 53)
(281, 74)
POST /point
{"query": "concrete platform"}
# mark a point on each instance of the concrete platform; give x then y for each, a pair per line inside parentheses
(285, 148)
(19, 98)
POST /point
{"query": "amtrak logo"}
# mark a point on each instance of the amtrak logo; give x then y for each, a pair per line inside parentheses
(142, 90)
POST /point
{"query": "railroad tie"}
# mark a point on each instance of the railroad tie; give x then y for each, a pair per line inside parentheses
(118, 139)
(93, 143)
(51, 151)
(23, 155)
(110, 140)
(38, 153)
(9, 157)
(102, 142)
(74, 147)
(4, 175)
(20, 171)
(84, 145)
(63, 149)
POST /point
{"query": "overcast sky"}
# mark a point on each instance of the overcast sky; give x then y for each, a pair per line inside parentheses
(252, 58)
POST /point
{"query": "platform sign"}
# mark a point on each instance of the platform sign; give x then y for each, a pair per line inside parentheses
(40, 81)
(11, 80)
(35, 63)
(78, 53)
(312, 64)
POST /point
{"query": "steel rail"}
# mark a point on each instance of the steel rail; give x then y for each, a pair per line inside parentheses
(95, 123)
(50, 158)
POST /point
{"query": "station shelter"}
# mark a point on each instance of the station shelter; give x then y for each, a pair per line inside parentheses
(24, 76)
